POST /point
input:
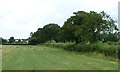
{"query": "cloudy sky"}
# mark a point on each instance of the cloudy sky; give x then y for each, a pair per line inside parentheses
(20, 17)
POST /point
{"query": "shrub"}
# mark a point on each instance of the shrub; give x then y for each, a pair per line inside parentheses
(99, 47)
(119, 51)
(107, 49)
(119, 42)
(83, 47)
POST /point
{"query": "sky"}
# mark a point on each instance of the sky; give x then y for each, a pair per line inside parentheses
(20, 17)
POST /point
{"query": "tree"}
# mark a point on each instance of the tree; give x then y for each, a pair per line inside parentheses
(111, 37)
(67, 32)
(50, 32)
(87, 27)
(31, 34)
(33, 41)
(3, 41)
(11, 40)
(90, 27)
(47, 33)
(19, 41)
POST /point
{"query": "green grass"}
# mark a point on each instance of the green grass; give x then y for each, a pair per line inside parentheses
(46, 58)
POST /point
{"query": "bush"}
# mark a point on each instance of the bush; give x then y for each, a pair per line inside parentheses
(119, 42)
(107, 49)
(70, 47)
(99, 47)
(33, 41)
(83, 47)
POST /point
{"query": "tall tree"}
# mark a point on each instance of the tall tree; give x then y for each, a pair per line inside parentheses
(87, 27)
(50, 32)
(19, 41)
(47, 33)
(11, 40)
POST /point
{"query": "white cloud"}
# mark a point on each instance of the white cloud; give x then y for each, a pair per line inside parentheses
(19, 17)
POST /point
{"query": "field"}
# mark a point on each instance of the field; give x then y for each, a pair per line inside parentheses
(15, 57)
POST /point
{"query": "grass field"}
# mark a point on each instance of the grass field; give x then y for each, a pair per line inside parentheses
(45, 58)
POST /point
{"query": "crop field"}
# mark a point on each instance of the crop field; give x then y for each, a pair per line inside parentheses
(37, 57)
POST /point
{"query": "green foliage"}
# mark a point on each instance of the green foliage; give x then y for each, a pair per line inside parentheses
(50, 32)
(119, 51)
(88, 27)
(19, 41)
(3, 41)
(82, 27)
(47, 33)
(119, 42)
(111, 37)
(33, 41)
(11, 40)
(99, 47)
(107, 50)
(67, 31)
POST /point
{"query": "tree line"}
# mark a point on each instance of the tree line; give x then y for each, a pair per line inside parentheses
(82, 27)
(12, 40)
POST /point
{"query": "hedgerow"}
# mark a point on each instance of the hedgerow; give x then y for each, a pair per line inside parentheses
(99, 47)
